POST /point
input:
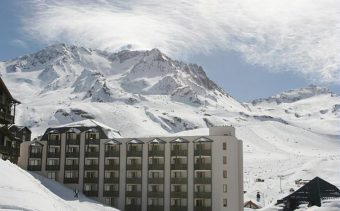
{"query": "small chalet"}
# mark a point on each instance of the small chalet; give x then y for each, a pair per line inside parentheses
(251, 204)
(21, 132)
(311, 193)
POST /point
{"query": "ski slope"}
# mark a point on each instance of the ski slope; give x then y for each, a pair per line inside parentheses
(24, 191)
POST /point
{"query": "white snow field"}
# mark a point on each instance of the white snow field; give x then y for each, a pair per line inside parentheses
(24, 191)
(295, 134)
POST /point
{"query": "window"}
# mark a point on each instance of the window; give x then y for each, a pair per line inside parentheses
(224, 159)
(34, 162)
(225, 174)
(51, 175)
(225, 202)
(224, 146)
(225, 188)
(52, 162)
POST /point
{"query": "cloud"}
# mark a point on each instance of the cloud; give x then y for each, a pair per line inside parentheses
(292, 35)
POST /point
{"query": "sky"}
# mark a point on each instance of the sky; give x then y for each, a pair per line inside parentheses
(251, 48)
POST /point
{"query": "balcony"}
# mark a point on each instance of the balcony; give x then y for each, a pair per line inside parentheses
(134, 167)
(92, 142)
(133, 180)
(7, 150)
(202, 152)
(111, 180)
(52, 167)
(54, 142)
(35, 155)
(111, 167)
(179, 166)
(134, 153)
(72, 141)
(133, 193)
(111, 193)
(156, 194)
(181, 194)
(179, 180)
(112, 153)
(6, 118)
(155, 180)
(53, 154)
(34, 168)
(155, 207)
(202, 166)
(15, 151)
(71, 180)
(72, 154)
(203, 180)
(199, 208)
(131, 207)
(72, 167)
(156, 166)
(182, 152)
(92, 154)
(156, 153)
(205, 195)
(90, 179)
(90, 193)
(91, 167)
(178, 208)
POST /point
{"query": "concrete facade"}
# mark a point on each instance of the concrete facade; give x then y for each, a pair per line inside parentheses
(191, 173)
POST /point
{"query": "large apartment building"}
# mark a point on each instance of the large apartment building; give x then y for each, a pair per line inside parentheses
(177, 173)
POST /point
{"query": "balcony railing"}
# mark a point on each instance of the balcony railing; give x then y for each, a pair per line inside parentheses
(133, 207)
(112, 153)
(182, 152)
(181, 194)
(53, 154)
(179, 180)
(202, 166)
(54, 142)
(133, 180)
(52, 167)
(72, 167)
(90, 193)
(156, 166)
(72, 141)
(155, 207)
(156, 194)
(34, 168)
(133, 193)
(35, 155)
(155, 180)
(72, 154)
(203, 152)
(92, 154)
(134, 167)
(156, 153)
(178, 208)
(199, 208)
(138, 153)
(110, 193)
(111, 180)
(202, 195)
(6, 118)
(7, 150)
(179, 166)
(111, 167)
(92, 142)
(203, 180)
(90, 179)
(71, 180)
(91, 167)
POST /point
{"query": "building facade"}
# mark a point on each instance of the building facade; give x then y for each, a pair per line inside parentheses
(186, 173)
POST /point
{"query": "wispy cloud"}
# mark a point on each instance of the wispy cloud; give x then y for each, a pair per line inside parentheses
(18, 43)
(291, 35)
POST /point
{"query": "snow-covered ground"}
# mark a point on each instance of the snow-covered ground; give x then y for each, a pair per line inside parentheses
(24, 191)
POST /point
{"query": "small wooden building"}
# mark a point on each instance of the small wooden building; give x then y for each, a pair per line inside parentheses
(251, 204)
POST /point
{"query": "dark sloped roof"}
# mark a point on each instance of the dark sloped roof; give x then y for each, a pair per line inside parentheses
(5, 89)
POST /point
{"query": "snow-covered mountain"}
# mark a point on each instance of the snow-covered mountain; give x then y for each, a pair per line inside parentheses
(143, 93)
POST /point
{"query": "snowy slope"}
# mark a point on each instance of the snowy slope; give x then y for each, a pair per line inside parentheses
(20, 190)
(144, 93)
